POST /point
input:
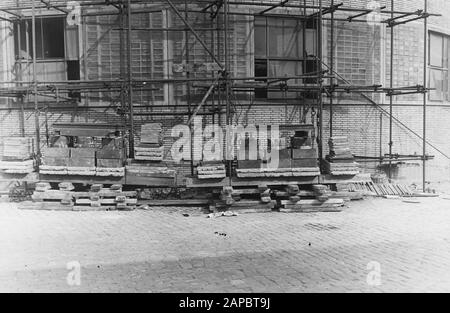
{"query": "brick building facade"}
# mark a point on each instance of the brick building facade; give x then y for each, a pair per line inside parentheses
(361, 57)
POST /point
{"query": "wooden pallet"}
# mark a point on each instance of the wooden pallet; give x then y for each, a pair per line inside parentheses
(98, 198)
(244, 207)
(308, 206)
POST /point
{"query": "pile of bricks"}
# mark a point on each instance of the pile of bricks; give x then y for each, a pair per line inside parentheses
(151, 146)
(17, 156)
(340, 161)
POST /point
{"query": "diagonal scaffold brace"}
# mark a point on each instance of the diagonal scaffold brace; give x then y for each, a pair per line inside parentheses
(196, 35)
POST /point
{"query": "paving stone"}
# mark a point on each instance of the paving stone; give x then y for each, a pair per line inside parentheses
(161, 250)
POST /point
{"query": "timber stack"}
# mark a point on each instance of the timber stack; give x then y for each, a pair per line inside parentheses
(151, 146)
(17, 155)
(98, 198)
(211, 170)
(340, 161)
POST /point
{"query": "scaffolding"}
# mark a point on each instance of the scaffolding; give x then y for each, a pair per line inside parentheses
(222, 84)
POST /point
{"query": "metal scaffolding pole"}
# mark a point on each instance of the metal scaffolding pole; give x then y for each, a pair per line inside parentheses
(425, 95)
(332, 68)
(391, 99)
(130, 81)
(320, 78)
(188, 87)
(226, 74)
(223, 59)
(35, 97)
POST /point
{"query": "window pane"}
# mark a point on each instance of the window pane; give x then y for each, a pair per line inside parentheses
(311, 42)
(286, 69)
(20, 42)
(284, 38)
(310, 66)
(446, 86)
(260, 37)
(436, 81)
(436, 45)
(39, 35)
(446, 51)
(261, 71)
(72, 43)
(53, 37)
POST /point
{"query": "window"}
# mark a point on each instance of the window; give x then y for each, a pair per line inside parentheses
(282, 47)
(438, 67)
(57, 50)
(49, 38)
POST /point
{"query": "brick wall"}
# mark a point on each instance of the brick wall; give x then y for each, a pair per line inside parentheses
(362, 57)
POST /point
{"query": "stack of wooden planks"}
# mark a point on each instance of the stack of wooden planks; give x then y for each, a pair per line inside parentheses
(340, 161)
(150, 174)
(319, 199)
(211, 170)
(97, 198)
(149, 152)
(17, 167)
(17, 155)
(278, 172)
(379, 189)
(151, 146)
(311, 206)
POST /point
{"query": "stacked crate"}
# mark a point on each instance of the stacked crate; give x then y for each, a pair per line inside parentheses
(151, 146)
(340, 161)
(54, 161)
(17, 155)
(303, 154)
(298, 160)
(111, 158)
(82, 162)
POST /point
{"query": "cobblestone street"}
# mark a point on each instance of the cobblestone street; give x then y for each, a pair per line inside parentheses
(164, 251)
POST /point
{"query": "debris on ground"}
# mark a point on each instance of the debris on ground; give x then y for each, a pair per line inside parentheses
(410, 200)
(220, 214)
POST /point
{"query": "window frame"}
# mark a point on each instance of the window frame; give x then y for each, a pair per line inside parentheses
(39, 28)
(444, 95)
(302, 58)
